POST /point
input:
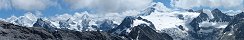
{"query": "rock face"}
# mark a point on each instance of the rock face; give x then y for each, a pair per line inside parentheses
(44, 24)
(220, 17)
(64, 24)
(144, 32)
(126, 23)
(202, 17)
(14, 32)
(235, 30)
(139, 32)
(107, 25)
(212, 33)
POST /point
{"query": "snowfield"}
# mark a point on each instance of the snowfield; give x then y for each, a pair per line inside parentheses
(163, 20)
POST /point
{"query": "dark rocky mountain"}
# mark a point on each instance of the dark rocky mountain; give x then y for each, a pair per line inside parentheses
(214, 33)
(194, 23)
(144, 32)
(235, 30)
(217, 14)
(190, 10)
(44, 24)
(237, 18)
(220, 17)
(140, 32)
(64, 24)
(107, 25)
(126, 23)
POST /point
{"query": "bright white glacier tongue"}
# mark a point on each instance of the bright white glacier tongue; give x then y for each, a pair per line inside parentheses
(163, 20)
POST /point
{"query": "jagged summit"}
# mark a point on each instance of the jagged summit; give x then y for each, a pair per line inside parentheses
(219, 16)
(216, 11)
(234, 31)
(237, 19)
(45, 24)
(239, 15)
(195, 22)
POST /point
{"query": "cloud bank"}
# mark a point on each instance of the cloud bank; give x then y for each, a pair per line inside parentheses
(109, 5)
(115, 6)
(4, 4)
(226, 4)
(32, 4)
(26, 4)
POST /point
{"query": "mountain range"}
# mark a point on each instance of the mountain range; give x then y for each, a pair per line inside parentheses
(149, 24)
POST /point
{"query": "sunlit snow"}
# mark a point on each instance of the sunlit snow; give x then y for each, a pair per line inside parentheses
(138, 22)
(163, 20)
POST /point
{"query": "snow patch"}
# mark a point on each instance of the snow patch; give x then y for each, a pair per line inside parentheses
(128, 30)
(138, 22)
(229, 34)
(208, 12)
(55, 23)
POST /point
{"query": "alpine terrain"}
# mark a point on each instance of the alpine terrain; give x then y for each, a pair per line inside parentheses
(155, 22)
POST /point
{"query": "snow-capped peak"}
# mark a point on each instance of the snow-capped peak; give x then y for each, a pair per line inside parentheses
(12, 19)
(27, 20)
(160, 7)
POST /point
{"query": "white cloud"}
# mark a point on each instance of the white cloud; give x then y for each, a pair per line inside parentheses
(62, 17)
(109, 5)
(27, 4)
(97, 5)
(4, 4)
(32, 4)
(227, 4)
(76, 4)
(160, 7)
(233, 12)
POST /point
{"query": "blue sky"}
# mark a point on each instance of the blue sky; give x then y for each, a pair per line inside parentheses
(61, 7)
